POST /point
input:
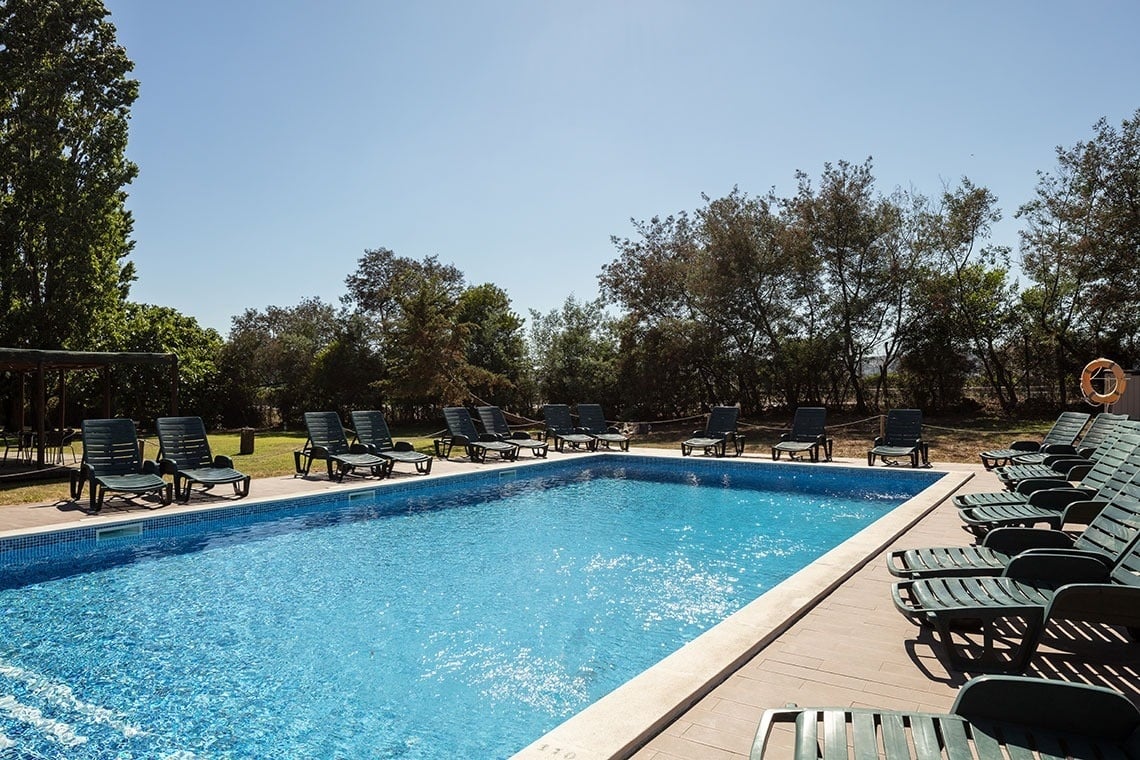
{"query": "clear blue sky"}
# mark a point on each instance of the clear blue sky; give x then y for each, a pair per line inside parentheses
(279, 139)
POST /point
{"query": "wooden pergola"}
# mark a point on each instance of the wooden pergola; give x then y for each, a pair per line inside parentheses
(23, 362)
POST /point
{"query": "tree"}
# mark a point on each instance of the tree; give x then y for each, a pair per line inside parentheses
(575, 351)
(64, 228)
(496, 344)
(857, 239)
(1079, 251)
(272, 356)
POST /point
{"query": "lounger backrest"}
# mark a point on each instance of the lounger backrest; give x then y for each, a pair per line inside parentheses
(903, 428)
(372, 429)
(722, 420)
(1103, 426)
(557, 418)
(326, 431)
(1067, 428)
(1115, 466)
(183, 439)
(808, 424)
(493, 420)
(111, 447)
(459, 422)
(1117, 524)
(591, 418)
(1126, 571)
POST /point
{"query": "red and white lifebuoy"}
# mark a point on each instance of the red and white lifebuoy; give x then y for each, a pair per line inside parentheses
(1109, 396)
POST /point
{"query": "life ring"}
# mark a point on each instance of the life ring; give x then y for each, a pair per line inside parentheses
(1090, 394)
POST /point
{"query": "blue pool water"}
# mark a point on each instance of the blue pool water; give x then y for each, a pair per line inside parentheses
(435, 620)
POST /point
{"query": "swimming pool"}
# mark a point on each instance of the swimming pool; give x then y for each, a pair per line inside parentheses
(523, 595)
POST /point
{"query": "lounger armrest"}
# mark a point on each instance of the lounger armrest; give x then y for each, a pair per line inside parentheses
(1078, 471)
(460, 440)
(167, 466)
(877, 442)
(403, 446)
(1112, 603)
(1028, 446)
(520, 435)
(1062, 706)
(221, 460)
(1057, 566)
(1059, 449)
(150, 467)
(1056, 498)
(1032, 485)
(1011, 540)
(316, 452)
(359, 448)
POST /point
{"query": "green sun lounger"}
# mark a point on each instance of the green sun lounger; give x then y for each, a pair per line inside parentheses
(1066, 466)
(719, 432)
(371, 431)
(462, 432)
(1056, 502)
(992, 718)
(561, 428)
(901, 439)
(184, 453)
(327, 441)
(1065, 431)
(1115, 526)
(1099, 429)
(592, 422)
(495, 423)
(807, 436)
(1121, 445)
(1035, 589)
(112, 463)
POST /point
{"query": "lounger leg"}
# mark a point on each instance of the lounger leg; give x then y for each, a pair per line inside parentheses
(241, 488)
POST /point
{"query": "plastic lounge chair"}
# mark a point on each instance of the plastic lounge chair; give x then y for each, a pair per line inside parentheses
(184, 452)
(1057, 502)
(496, 424)
(1097, 475)
(1035, 588)
(1109, 533)
(371, 431)
(902, 437)
(112, 462)
(1067, 466)
(560, 427)
(808, 435)
(1098, 431)
(327, 441)
(592, 422)
(720, 430)
(462, 432)
(1064, 431)
(992, 718)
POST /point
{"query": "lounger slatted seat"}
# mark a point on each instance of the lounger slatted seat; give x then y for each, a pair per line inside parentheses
(719, 433)
(327, 441)
(1036, 588)
(992, 718)
(1064, 431)
(462, 432)
(112, 463)
(807, 436)
(901, 439)
(592, 422)
(561, 428)
(495, 423)
(1095, 434)
(184, 453)
(371, 431)
(1115, 526)
(1060, 502)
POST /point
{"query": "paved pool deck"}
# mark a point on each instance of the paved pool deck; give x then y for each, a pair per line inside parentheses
(828, 636)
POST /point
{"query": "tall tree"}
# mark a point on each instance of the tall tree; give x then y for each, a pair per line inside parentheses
(64, 230)
(1079, 252)
(496, 344)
